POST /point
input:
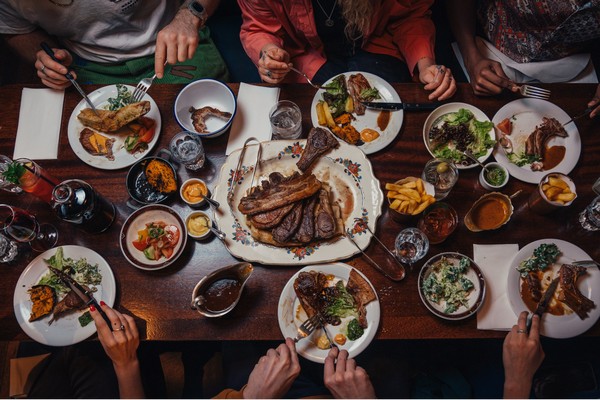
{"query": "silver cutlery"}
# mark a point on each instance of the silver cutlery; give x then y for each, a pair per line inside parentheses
(390, 106)
(586, 263)
(307, 327)
(142, 88)
(307, 78)
(472, 157)
(322, 323)
(219, 234)
(533, 91)
(587, 111)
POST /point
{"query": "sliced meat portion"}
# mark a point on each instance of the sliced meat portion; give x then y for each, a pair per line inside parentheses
(286, 192)
(306, 232)
(272, 218)
(570, 295)
(534, 285)
(362, 293)
(319, 141)
(69, 303)
(309, 288)
(325, 221)
(536, 142)
(110, 121)
(289, 225)
(97, 144)
(356, 85)
(200, 115)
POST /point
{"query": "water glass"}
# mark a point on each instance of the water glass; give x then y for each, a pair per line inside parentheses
(590, 217)
(5, 184)
(442, 174)
(186, 148)
(8, 249)
(286, 120)
(411, 245)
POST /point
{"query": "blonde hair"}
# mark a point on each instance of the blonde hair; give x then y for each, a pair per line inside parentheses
(357, 14)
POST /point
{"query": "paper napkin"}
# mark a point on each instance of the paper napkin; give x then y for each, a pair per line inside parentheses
(252, 116)
(39, 124)
(494, 261)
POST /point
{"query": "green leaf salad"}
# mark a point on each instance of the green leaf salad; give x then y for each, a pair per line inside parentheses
(82, 271)
(543, 256)
(447, 282)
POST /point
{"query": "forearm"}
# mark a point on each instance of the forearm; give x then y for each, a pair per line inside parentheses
(463, 20)
(517, 390)
(27, 45)
(130, 381)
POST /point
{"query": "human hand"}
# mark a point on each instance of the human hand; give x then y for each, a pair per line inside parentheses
(274, 373)
(595, 103)
(120, 344)
(274, 63)
(176, 42)
(52, 73)
(522, 355)
(439, 79)
(488, 77)
(344, 379)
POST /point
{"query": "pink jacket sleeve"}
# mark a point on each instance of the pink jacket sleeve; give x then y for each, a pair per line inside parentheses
(259, 27)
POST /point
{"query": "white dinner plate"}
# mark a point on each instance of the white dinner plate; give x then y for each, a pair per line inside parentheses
(66, 330)
(558, 326)
(346, 170)
(290, 319)
(137, 221)
(447, 108)
(122, 157)
(525, 115)
(369, 119)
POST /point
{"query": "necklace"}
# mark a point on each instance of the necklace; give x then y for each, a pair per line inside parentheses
(328, 22)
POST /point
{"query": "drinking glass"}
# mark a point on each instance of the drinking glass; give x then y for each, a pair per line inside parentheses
(286, 120)
(25, 228)
(187, 149)
(5, 184)
(438, 221)
(442, 174)
(411, 245)
(8, 249)
(590, 217)
(36, 180)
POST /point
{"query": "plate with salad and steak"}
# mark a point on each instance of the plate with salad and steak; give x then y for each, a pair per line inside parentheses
(344, 298)
(338, 107)
(455, 127)
(119, 134)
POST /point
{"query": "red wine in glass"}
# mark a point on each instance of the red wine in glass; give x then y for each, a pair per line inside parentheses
(24, 227)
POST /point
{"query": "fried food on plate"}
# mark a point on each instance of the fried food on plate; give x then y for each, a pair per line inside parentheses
(111, 121)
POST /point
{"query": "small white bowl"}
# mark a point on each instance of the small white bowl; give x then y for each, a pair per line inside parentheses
(486, 184)
(190, 228)
(183, 188)
(201, 93)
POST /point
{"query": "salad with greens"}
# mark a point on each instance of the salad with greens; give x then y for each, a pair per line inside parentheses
(82, 271)
(455, 132)
(447, 283)
(543, 257)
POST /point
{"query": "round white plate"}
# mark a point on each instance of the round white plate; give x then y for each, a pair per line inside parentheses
(450, 108)
(369, 119)
(350, 176)
(137, 221)
(289, 319)
(122, 157)
(65, 330)
(558, 326)
(476, 296)
(525, 115)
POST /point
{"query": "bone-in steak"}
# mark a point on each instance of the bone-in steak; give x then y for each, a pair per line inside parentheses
(319, 141)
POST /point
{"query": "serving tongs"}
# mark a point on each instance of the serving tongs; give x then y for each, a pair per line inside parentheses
(396, 275)
(238, 168)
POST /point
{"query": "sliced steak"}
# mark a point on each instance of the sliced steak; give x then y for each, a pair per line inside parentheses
(570, 295)
(272, 218)
(319, 141)
(308, 287)
(289, 225)
(306, 232)
(325, 226)
(356, 85)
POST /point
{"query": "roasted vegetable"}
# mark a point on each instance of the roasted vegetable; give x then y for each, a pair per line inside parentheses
(43, 298)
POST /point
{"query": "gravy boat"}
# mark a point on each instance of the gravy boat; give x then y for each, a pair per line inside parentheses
(489, 212)
(219, 292)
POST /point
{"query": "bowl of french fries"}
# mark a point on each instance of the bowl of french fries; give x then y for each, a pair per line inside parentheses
(554, 191)
(409, 197)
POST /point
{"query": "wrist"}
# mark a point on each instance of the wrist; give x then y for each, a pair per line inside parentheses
(126, 367)
(194, 12)
(517, 388)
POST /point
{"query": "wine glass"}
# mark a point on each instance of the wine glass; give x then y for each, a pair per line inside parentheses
(25, 228)
(411, 245)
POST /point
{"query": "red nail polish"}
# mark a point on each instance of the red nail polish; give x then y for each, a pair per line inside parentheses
(92, 308)
(102, 303)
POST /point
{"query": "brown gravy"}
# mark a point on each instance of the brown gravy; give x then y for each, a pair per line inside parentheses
(489, 214)
(383, 119)
(555, 307)
(553, 156)
(221, 294)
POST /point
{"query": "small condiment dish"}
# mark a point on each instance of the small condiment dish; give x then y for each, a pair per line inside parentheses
(198, 225)
(494, 176)
(404, 217)
(219, 292)
(194, 192)
(489, 212)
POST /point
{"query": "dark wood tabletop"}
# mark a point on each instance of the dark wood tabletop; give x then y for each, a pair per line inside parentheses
(160, 300)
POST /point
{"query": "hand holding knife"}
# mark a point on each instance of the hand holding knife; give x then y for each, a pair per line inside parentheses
(543, 303)
(70, 77)
(85, 295)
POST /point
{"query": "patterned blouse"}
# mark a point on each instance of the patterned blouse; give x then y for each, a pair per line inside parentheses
(540, 30)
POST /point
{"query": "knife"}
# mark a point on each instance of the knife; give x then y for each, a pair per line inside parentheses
(84, 295)
(322, 322)
(377, 105)
(69, 76)
(543, 304)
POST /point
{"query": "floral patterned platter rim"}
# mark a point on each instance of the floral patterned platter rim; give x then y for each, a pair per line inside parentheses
(350, 176)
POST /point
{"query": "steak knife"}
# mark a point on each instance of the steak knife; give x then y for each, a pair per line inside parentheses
(542, 306)
(81, 292)
(70, 77)
(377, 105)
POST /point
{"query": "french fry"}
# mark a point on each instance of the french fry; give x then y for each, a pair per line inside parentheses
(420, 186)
(552, 192)
(401, 197)
(328, 117)
(557, 182)
(395, 204)
(321, 114)
(408, 197)
(566, 197)
(557, 190)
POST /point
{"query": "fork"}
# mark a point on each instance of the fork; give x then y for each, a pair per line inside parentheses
(307, 78)
(586, 263)
(141, 89)
(533, 91)
(307, 327)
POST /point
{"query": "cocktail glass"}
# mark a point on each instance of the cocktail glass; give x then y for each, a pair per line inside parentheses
(36, 180)
(24, 227)
(442, 174)
(5, 184)
(438, 221)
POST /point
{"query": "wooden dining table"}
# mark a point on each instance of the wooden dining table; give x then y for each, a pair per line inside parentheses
(160, 300)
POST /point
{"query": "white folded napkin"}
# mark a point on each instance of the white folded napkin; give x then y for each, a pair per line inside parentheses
(39, 124)
(494, 261)
(252, 116)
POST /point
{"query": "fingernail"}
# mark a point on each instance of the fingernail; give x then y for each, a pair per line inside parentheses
(102, 303)
(92, 308)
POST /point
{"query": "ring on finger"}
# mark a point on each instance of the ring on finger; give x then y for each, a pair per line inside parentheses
(121, 328)
(42, 69)
(269, 73)
(521, 331)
